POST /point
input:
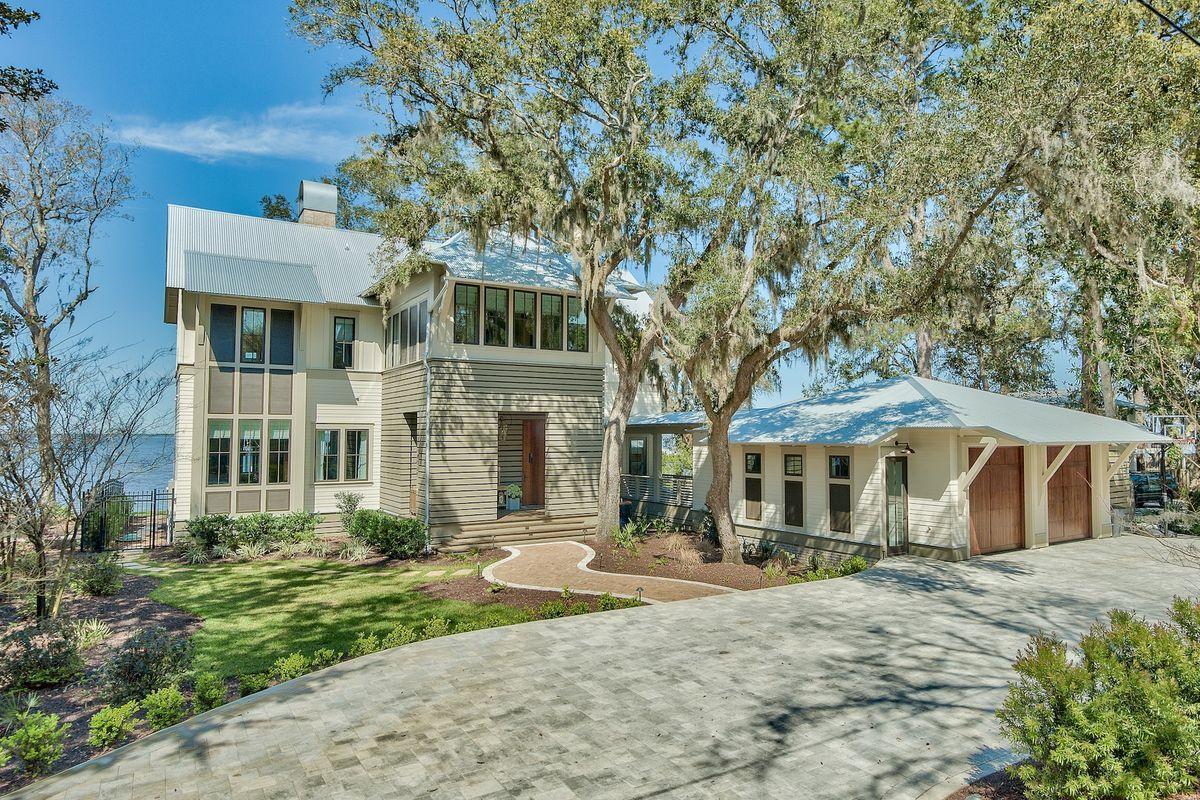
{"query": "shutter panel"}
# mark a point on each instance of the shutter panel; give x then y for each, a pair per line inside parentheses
(793, 503)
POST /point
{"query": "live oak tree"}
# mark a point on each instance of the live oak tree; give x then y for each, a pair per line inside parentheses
(547, 118)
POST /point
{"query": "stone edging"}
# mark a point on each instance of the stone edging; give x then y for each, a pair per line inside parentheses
(582, 566)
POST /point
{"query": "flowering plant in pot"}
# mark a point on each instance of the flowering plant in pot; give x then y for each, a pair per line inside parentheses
(513, 494)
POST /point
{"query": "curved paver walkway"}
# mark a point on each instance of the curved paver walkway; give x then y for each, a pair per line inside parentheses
(873, 686)
(553, 565)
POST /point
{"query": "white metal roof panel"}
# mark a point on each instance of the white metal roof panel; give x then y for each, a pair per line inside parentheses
(247, 277)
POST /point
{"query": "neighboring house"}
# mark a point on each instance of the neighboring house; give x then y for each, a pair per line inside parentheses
(907, 466)
(297, 379)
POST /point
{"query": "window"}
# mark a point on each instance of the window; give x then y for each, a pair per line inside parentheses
(413, 351)
(637, 456)
(343, 342)
(327, 455)
(422, 312)
(222, 332)
(793, 465)
(839, 467)
(278, 450)
(495, 317)
(403, 353)
(793, 503)
(466, 313)
(839, 507)
(577, 325)
(552, 322)
(220, 439)
(356, 455)
(524, 319)
(753, 484)
(254, 324)
(393, 340)
(250, 451)
(282, 336)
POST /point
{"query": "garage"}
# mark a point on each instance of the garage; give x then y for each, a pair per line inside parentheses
(997, 502)
(1069, 496)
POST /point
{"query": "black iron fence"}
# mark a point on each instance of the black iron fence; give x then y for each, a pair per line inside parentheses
(130, 521)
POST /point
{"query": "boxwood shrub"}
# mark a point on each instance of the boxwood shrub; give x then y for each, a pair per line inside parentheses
(395, 537)
(152, 659)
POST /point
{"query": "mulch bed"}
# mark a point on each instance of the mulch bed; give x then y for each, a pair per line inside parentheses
(1000, 786)
(653, 558)
(125, 612)
(433, 560)
(475, 590)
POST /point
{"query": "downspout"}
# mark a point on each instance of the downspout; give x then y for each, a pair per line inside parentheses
(437, 299)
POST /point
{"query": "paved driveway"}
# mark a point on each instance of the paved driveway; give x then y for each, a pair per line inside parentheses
(865, 687)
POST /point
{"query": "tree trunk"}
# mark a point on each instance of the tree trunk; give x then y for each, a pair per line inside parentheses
(42, 393)
(1108, 395)
(608, 517)
(924, 353)
(718, 491)
(1087, 375)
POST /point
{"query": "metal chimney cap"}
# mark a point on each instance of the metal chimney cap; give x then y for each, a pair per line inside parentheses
(317, 196)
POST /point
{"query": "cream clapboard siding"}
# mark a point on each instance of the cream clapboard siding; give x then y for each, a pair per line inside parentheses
(933, 488)
(467, 400)
(403, 393)
(343, 399)
(511, 445)
(185, 405)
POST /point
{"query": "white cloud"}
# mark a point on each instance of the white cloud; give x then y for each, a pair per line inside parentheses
(316, 132)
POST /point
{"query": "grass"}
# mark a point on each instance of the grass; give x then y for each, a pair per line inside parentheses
(256, 611)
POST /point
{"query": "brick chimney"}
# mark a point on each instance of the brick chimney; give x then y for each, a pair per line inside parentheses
(317, 203)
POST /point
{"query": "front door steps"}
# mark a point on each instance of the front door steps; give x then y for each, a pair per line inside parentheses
(520, 527)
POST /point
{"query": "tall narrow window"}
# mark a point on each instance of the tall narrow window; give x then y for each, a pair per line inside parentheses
(327, 455)
(577, 325)
(524, 319)
(840, 512)
(282, 336)
(279, 446)
(220, 441)
(343, 342)
(495, 317)
(393, 339)
(466, 313)
(254, 328)
(222, 332)
(413, 334)
(637, 456)
(356, 455)
(403, 351)
(753, 484)
(793, 490)
(250, 451)
(422, 327)
(552, 322)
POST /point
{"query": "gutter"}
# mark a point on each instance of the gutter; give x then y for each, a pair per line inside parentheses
(433, 306)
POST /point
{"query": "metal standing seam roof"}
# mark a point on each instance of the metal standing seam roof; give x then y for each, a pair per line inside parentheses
(869, 414)
(239, 255)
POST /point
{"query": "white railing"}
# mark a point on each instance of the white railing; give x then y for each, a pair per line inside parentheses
(674, 490)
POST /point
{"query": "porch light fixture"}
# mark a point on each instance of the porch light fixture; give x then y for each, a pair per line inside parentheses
(904, 448)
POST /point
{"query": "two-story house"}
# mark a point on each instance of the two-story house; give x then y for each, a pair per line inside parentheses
(296, 380)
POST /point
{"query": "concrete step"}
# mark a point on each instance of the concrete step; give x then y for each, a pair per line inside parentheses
(463, 543)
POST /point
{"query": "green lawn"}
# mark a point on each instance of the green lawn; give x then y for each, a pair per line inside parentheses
(256, 611)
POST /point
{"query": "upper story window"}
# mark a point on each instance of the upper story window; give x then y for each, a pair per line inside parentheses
(466, 313)
(343, 342)
(242, 334)
(408, 330)
(577, 325)
(283, 334)
(222, 332)
(524, 319)
(495, 316)
(552, 322)
(839, 467)
(254, 329)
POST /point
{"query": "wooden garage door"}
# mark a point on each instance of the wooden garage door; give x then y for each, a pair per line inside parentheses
(1069, 496)
(997, 502)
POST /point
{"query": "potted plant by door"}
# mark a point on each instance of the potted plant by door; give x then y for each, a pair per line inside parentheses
(513, 494)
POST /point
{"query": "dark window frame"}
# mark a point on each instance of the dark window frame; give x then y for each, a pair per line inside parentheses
(223, 335)
(273, 339)
(362, 462)
(756, 455)
(279, 459)
(344, 349)
(224, 457)
(542, 329)
(643, 456)
(787, 460)
(836, 517)
(322, 458)
(488, 292)
(255, 456)
(262, 336)
(533, 319)
(849, 467)
(460, 331)
(788, 519)
(422, 310)
(573, 327)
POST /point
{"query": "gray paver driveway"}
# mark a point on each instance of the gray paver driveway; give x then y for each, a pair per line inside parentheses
(864, 687)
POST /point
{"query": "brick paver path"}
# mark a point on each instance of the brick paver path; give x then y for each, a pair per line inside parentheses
(872, 686)
(554, 565)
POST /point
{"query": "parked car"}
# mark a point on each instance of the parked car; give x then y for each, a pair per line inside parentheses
(1148, 488)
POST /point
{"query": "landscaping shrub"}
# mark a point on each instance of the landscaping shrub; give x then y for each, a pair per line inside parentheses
(150, 660)
(365, 644)
(101, 576)
(395, 537)
(208, 692)
(578, 608)
(325, 657)
(289, 667)
(399, 636)
(1119, 718)
(347, 505)
(552, 609)
(261, 529)
(195, 553)
(249, 684)
(112, 724)
(354, 551)
(211, 530)
(852, 565)
(88, 633)
(165, 707)
(434, 628)
(37, 739)
(626, 537)
(37, 657)
(606, 602)
(250, 551)
(297, 526)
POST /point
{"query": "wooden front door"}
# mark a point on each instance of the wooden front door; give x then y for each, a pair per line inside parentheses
(1069, 496)
(533, 462)
(997, 499)
(897, 505)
